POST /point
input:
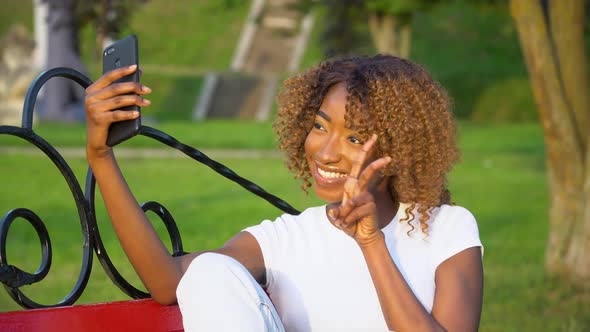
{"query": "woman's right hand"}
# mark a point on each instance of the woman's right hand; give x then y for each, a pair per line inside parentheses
(103, 103)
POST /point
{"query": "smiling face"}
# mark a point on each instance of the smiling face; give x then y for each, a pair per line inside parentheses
(331, 147)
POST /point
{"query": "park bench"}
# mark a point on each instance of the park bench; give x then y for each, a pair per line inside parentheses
(138, 314)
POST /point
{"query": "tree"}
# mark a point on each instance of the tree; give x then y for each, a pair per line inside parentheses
(63, 99)
(342, 28)
(390, 24)
(551, 34)
(109, 18)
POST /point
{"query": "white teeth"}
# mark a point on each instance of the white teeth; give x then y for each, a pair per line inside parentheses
(330, 175)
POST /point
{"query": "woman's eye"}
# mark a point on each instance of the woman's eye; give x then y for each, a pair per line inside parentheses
(318, 126)
(355, 140)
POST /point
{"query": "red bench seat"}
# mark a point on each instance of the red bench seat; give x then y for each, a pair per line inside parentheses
(132, 315)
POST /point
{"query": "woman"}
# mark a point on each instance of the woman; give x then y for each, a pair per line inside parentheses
(387, 251)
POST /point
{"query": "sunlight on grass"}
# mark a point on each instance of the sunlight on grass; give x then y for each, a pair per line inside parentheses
(501, 179)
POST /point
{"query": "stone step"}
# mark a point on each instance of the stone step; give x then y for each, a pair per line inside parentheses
(236, 95)
(270, 52)
(271, 45)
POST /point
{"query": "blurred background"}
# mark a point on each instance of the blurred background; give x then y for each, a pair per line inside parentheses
(214, 67)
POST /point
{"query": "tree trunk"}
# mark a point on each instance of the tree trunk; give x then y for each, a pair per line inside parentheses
(390, 34)
(382, 28)
(101, 26)
(553, 47)
(405, 40)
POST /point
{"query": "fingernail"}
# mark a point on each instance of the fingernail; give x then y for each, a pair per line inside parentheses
(147, 101)
(146, 89)
(331, 214)
(132, 66)
(374, 136)
(134, 113)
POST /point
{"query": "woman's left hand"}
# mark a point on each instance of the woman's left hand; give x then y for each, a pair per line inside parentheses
(357, 213)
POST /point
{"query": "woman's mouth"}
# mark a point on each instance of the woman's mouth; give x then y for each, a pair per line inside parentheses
(328, 177)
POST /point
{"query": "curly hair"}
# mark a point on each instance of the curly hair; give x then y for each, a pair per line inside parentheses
(392, 97)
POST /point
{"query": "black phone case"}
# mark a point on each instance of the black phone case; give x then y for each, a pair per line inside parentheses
(122, 53)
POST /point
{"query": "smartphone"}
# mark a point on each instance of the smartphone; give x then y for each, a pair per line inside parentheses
(122, 53)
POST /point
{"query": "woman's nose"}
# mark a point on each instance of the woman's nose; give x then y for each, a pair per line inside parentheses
(329, 151)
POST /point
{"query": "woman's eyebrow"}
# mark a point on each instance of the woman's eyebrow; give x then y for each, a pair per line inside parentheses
(324, 115)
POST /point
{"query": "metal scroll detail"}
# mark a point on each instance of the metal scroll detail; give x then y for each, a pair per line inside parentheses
(13, 277)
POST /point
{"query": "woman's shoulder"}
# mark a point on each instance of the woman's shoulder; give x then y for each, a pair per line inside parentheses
(440, 217)
(447, 219)
(310, 213)
(453, 214)
(291, 220)
(288, 227)
(452, 230)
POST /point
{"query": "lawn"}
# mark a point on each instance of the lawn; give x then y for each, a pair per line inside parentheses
(472, 50)
(501, 179)
(209, 134)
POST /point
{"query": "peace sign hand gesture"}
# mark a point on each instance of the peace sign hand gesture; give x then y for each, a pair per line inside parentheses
(357, 213)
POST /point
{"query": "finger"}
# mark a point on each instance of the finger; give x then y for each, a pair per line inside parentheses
(345, 208)
(350, 189)
(120, 115)
(109, 77)
(366, 210)
(119, 89)
(332, 213)
(372, 172)
(117, 103)
(362, 156)
(114, 116)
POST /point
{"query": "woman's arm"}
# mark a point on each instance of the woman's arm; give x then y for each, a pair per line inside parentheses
(458, 295)
(459, 279)
(158, 270)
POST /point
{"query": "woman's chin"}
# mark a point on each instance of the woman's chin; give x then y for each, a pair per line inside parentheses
(328, 196)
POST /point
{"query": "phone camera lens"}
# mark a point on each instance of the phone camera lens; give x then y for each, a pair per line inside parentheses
(118, 63)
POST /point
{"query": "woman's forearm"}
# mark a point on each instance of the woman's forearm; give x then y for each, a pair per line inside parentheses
(401, 309)
(158, 271)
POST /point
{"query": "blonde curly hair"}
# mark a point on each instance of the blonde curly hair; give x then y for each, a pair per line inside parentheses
(392, 97)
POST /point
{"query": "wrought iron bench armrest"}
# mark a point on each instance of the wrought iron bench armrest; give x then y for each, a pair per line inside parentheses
(13, 278)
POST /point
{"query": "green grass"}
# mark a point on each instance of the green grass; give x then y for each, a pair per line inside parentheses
(471, 49)
(196, 198)
(173, 96)
(501, 179)
(219, 134)
(193, 34)
(468, 48)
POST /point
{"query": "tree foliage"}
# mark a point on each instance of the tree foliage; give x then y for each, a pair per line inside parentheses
(387, 23)
(343, 30)
(397, 7)
(107, 17)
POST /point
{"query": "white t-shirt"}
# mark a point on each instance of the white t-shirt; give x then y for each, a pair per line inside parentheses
(317, 277)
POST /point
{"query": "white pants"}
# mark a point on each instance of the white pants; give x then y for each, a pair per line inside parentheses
(217, 293)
